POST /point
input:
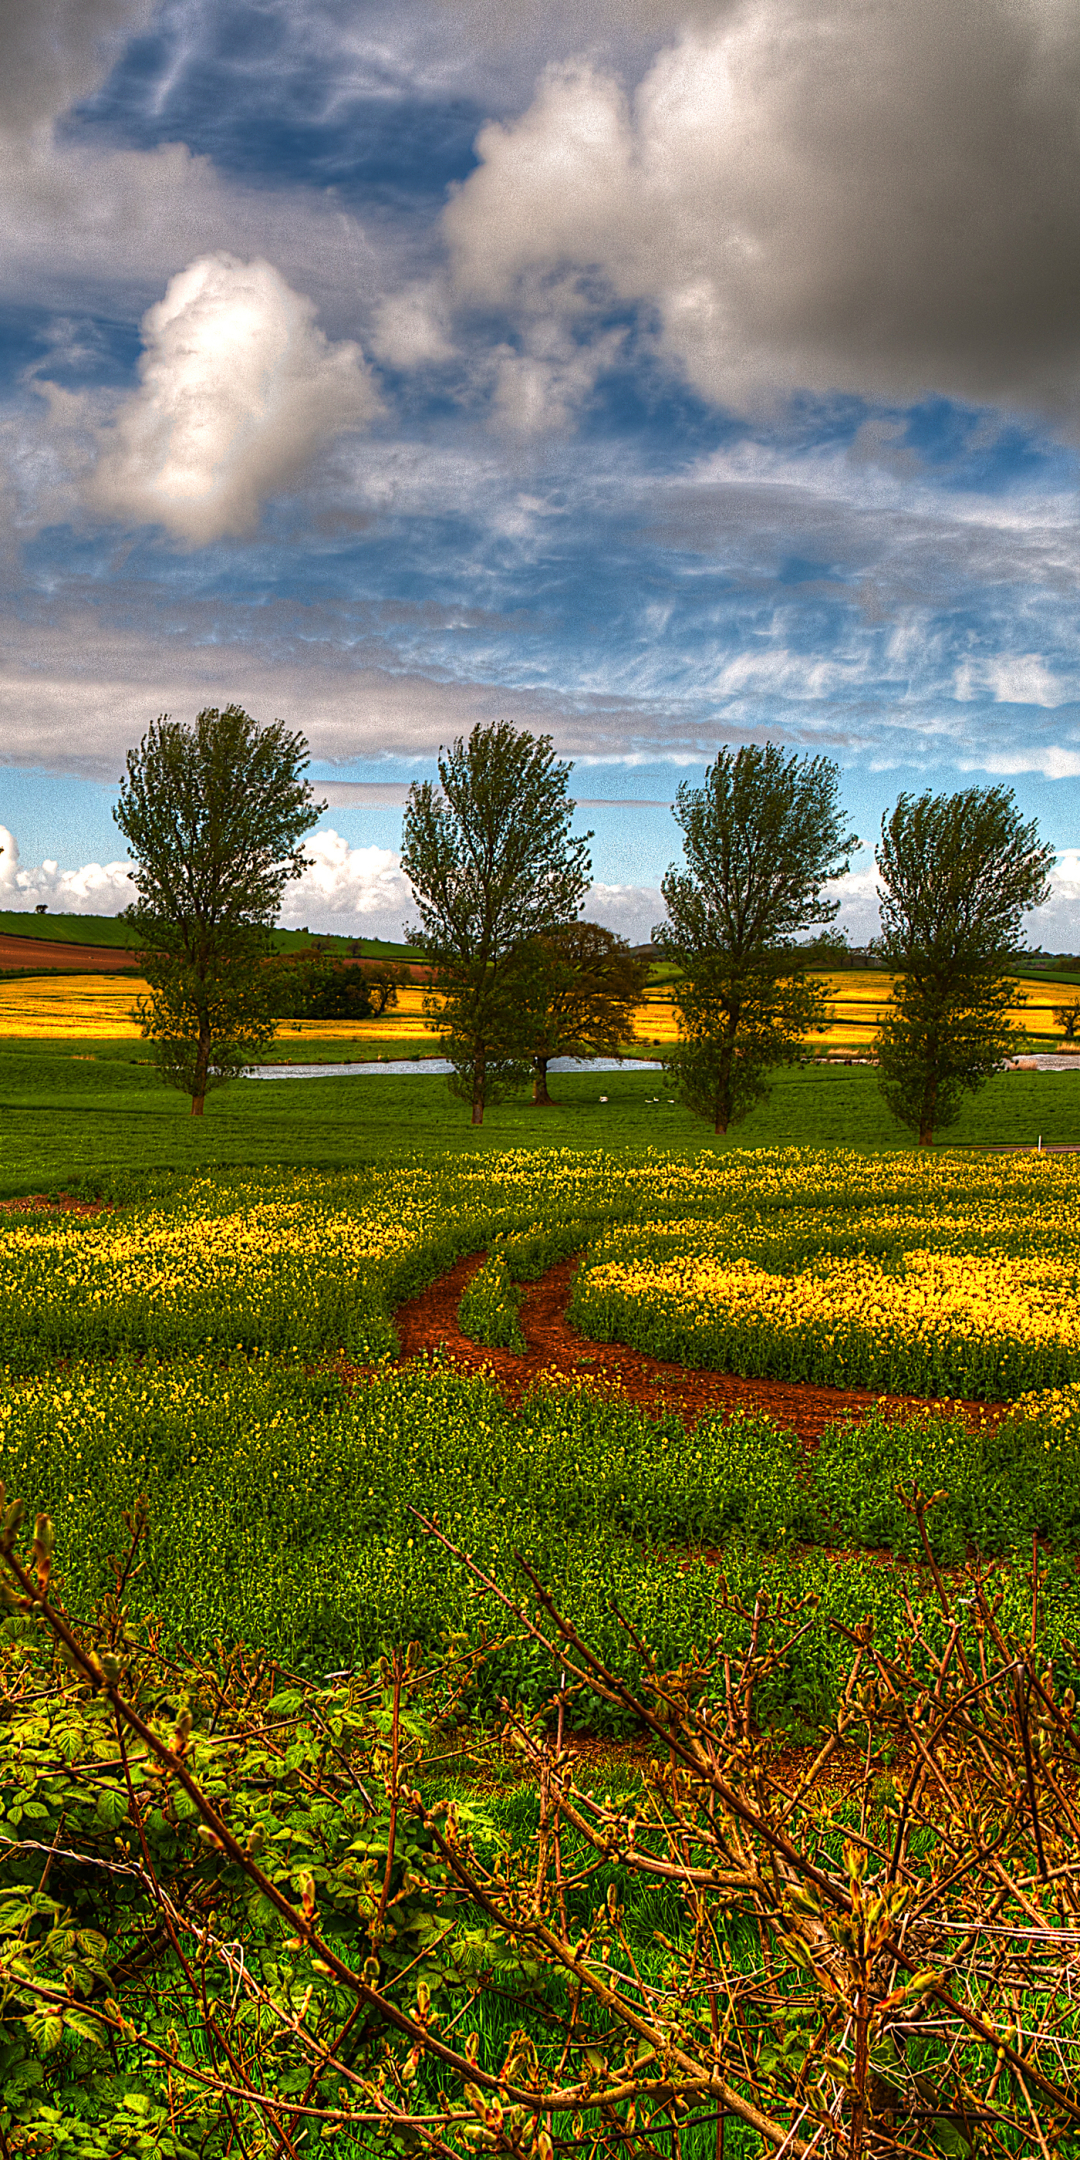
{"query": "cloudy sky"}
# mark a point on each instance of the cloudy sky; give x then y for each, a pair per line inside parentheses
(655, 373)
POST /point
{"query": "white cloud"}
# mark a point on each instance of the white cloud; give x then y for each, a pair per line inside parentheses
(410, 328)
(361, 889)
(1011, 679)
(831, 194)
(1052, 760)
(238, 390)
(1056, 927)
(632, 910)
(858, 897)
(95, 889)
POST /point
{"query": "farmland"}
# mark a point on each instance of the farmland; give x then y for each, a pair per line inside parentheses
(194, 1346)
(206, 1362)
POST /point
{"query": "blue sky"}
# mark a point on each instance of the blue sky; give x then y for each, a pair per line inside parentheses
(658, 374)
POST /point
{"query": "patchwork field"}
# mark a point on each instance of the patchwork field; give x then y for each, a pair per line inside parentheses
(226, 1348)
(206, 1370)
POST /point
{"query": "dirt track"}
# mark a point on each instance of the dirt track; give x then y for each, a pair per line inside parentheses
(553, 1345)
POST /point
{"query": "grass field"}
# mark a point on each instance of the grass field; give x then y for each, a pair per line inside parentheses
(68, 1113)
(183, 1348)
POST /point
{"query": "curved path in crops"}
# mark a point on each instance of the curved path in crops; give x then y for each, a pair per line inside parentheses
(554, 1345)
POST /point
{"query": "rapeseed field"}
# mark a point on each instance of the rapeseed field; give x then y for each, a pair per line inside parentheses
(223, 1346)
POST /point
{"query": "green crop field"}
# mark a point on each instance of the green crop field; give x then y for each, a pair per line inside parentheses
(207, 1366)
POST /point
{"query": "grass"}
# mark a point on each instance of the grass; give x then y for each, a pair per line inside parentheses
(66, 1113)
(112, 930)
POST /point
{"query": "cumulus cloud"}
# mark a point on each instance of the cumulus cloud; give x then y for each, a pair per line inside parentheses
(359, 889)
(238, 389)
(631, 910)
(823, 194)
(1056, 927)
(95, 889)
(410, 328)
(858, 897)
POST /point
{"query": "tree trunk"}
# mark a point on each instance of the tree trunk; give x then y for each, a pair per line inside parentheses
(723, 1092)
(202, 1068)
(926, 1113)
(479, 1090)
(540, 1086)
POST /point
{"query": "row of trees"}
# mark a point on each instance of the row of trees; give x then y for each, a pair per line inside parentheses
(215, 816)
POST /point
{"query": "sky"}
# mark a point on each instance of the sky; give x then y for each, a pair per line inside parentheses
(658, 375)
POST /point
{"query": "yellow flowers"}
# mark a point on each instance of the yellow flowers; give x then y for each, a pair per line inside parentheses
(932, 1276)
(91, 1005)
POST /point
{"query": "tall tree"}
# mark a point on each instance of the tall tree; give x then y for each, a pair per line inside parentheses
(762, 839)
(213, 815)
(583, 986)
(958, 872)
(493, 864)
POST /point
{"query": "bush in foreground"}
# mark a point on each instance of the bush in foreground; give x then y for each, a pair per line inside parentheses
(260, 1921)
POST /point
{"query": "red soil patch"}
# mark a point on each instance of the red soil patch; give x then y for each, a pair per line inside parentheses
(657, 1384)
(40, 1204)
(53, 957)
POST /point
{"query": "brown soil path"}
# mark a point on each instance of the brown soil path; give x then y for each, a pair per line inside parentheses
(40, 1204)
(554, 1346)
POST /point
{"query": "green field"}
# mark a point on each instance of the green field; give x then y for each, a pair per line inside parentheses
(67, 1116)
(183, 1366)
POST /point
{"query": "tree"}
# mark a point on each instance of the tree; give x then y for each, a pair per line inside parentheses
(1067, 1018)
(762, 839)
(493, 865)
(213, 815)
(585, 987)
(957, 874)
(329, 988)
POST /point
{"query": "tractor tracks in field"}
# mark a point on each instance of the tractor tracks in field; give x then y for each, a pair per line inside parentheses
(429, 1322)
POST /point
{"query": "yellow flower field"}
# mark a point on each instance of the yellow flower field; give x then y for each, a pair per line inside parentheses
(859, 1001)
(943, 1323)
(47, 1006)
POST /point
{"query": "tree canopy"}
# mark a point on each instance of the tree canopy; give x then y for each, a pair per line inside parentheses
(583, 986)
(762, 840)
(958, 873)
(493, 864)
(214, 815)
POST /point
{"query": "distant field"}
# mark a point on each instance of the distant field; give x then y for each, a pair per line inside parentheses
(76, 930)
(860, 999)
(97, 1004)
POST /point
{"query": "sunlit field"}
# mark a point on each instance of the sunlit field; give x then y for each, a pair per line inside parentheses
(859, 1001)
(41, 1006)
(44, 1006)
(100, 1006)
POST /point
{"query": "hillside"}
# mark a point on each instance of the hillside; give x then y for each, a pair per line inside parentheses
(69, 944)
